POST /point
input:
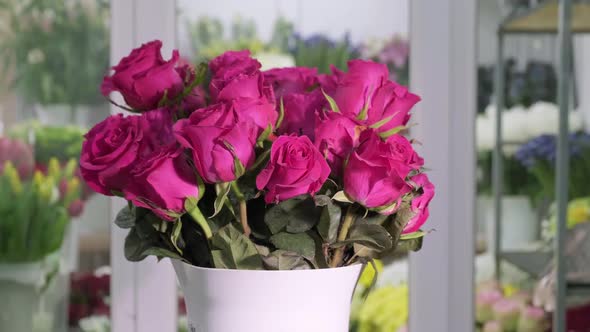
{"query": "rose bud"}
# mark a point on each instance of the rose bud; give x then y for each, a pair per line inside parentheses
(336, 136)
(532, 319)
(295, 168)
(419, 204)
(144, 77)
(484, 303)
(507, 313)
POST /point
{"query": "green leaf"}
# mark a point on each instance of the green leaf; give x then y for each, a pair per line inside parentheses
(222, 192)
(411, 244)
(125, 218)
(329, 222)
(296, 215)
(281, 114)
(264, 136)
(176, 231)
(162, 253)
(300, 243)
(372, 236)
(285, 260)
(411, 236)
(332, 102)
(233, 250)
(392, 131)
(382, 122)
(341, 197)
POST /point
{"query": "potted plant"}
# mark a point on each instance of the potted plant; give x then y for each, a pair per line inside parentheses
(58, 53)
(263, 187)
(35, 209)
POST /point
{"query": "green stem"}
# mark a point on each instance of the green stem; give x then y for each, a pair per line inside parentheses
(346, 224)
(243, 208)
(198, 216)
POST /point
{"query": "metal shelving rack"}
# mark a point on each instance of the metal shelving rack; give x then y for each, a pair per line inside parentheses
(562, 18)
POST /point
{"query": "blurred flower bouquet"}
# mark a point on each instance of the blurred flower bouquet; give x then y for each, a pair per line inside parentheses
(59, 49)
(505, 309)
(278, 170)
(539, 155)
(89, 296)
(395, 53)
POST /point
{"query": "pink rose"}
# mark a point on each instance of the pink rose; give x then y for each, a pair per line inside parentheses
(329, 82)
(300, 113)
(196, 98)
(161, 181)
(405, 151)
(374, 175)
(366, 86)
(295, 168)
(217, 141)
(109, 151)
(144, 77)
(257, 112)
(157, 126)
(286, 81)
(336, 136)
(420, 203)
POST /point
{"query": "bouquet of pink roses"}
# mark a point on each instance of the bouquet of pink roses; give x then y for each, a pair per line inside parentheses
(227, 166)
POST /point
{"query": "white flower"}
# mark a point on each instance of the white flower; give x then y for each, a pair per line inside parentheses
(35, 56)
(514, 122)
(275, 60)
(542, 119)
(95, 324)
(576, 122)
(485, 133)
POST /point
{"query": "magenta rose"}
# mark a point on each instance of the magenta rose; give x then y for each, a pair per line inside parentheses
(419, 204)
(295, 168)
(109, 151)
(286, 81)
(195, 98)
(237, 75)
(161, 181)
(300, 113)
(217, 141)
(144, 77)
(374, 175)
(405, 151)
(259, 113)
(157, 126)
(336, 135)
(366, 92)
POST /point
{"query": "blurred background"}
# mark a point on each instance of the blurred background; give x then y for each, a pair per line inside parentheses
(55, 234)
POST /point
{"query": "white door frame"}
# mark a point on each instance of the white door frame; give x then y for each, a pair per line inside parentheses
(443, 72)
(143, 295)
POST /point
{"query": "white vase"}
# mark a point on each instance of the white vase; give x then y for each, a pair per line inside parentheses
(34, 296)
(520, 225)
(220, 300)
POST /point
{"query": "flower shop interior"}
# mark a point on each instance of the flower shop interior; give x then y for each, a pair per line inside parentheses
(503, 124)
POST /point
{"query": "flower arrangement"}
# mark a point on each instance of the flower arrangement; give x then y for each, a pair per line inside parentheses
(539, 155)
(36, 209)
(226, 166)
(504, 309)
(58, 49)
(89, 296)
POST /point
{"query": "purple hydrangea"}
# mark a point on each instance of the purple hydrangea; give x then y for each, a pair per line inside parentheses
(543, 148)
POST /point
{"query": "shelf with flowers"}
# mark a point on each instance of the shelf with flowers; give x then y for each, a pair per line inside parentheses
(35, 211)
(236, 173)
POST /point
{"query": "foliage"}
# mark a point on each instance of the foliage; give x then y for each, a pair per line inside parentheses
(63, 142)
(322, 52)
(35, 212)
(59, 49)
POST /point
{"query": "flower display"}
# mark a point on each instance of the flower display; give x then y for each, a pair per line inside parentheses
(228, 166)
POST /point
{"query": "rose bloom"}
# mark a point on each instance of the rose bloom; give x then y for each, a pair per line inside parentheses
(295, 168)
(161, 180)
(217, 140)
(366, 88)
(109, 151)
(336, 135)
(375, 174)
(286, 81)
(419, 204)
(144, 77)
(300, 113)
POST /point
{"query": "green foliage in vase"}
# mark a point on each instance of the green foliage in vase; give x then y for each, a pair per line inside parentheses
(57, 50)
(35, 211)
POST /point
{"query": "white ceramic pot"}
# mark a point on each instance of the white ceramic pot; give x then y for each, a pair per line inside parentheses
(35, 296)
(520, 225)
(220, 300)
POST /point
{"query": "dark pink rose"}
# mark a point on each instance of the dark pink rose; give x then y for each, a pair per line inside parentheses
(76, 208)
(217, 140)
(365, 92)
(300, 113)
(157, 126)
(144, 77)
(109, 151)
(329, 82)
(286, 81)
(295, 168)
(161, 181)
(419, 205)
(197, 97)
(259, 113)
(374, 175)
(405, 151)
(336, 135)
(236, 75)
